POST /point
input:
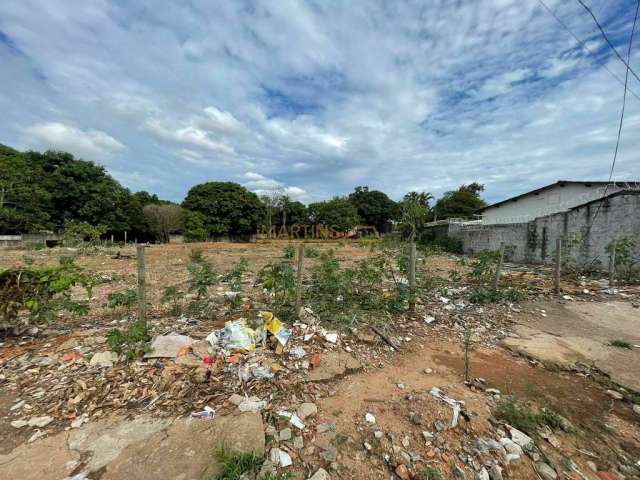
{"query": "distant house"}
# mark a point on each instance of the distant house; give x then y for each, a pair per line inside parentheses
(557, 197)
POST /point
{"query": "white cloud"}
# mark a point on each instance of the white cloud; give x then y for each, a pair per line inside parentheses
(392, 95)
(89, 144)
(187, 135)
(265, 186)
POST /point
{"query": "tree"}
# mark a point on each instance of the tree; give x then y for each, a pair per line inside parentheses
(461, 203)
(23, 201)
(81, 190)
(270, 203)
(164, 219)
(374, 207)
(297, 213)
(415, 212)
(193, 226)
(228, 208)
(339, 213)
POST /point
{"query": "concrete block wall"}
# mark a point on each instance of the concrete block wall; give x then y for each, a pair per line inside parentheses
(534, 242)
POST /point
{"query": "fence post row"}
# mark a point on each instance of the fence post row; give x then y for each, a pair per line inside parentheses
(142, 300)
(299, 280)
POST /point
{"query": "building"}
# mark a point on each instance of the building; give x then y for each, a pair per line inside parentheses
(585, 216)
(561, 196)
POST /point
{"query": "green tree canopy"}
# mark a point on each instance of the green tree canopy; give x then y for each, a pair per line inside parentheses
(374, 207)
(42, 191)
(228, 207)
(339, 213)
(415, 212)
(461, 203)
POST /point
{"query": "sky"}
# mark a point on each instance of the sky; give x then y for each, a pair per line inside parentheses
(317, 97)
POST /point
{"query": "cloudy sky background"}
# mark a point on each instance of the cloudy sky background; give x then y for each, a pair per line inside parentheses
(320, 96)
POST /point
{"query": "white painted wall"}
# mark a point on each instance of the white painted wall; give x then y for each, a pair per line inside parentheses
(555, 199)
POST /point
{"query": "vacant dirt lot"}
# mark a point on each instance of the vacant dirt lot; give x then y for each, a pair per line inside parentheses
(132, 419)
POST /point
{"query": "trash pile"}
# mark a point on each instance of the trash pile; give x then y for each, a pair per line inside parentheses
(70, 381)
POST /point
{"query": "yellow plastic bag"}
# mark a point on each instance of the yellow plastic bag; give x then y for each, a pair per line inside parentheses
(274, 326)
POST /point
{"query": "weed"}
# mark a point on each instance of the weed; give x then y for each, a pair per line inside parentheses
(41, 291)
(173, 296)
(518, 415)
(201, 274)
(277, 476)
(196, 255)
(289, 251)
(431, 473)
(621, 344)
(482, 295)
(234, 466)
(311, 252)
(454, 276)
(626, 269)
(483, 266)
(131, 342)
(279, 280)
(234, 276)
(126, 299)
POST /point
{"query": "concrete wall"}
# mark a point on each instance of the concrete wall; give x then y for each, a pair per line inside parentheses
(534, 242)
(558, 198)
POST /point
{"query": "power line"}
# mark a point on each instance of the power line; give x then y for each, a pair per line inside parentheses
(626, 63)
(585, 47)
(624, 99)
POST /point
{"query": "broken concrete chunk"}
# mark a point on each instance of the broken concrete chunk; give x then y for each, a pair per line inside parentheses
(19, 423)
(520, 438)
(321, 474)
(306, 410)
(104, 359)
(168, 346)
(615, 395)
(236, 399)
(40, 421)
(545, 471)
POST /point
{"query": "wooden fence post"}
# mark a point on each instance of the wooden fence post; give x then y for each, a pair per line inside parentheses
(496, 280)
(558, 270)
(299, 280)
(412, 276)
(125, 237)
(612, 264)
(142, 299)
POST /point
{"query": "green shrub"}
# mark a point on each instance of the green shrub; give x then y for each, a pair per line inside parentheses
(431, 473)
(279, 279)
(42, 291)
(132, 342)
(520, 416)
(311, 252)
(201, 274)
(289, 251)
(482, 295)
(126, 299)
(233, 466)
(173, 295)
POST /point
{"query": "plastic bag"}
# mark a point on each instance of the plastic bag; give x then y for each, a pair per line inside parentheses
(274, 326)
(237, 335)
